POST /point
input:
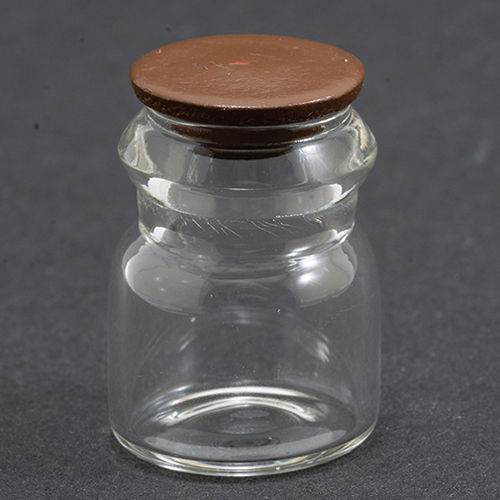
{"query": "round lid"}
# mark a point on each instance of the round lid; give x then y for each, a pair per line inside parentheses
(247, 80)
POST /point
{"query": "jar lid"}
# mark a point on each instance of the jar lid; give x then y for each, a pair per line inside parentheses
(247, 80)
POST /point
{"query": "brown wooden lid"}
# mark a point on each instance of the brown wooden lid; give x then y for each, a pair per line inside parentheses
(247, 80)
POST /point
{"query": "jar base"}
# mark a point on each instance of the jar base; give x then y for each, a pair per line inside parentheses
(242, 469)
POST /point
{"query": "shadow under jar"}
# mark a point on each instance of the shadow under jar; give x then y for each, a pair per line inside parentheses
(244, 330)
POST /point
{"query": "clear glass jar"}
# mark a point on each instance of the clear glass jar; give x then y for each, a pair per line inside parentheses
(244, 332)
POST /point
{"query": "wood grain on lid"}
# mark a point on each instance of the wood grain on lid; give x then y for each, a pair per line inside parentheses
(247, 80)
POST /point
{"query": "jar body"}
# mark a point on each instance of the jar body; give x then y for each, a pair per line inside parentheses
(244, 330)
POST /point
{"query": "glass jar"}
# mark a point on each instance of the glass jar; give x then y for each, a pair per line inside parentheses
(244, 333)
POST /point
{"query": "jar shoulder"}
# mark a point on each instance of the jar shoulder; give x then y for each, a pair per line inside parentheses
(180, 281)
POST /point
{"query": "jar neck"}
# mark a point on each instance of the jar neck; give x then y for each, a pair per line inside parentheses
(260, 190)
(254, 238)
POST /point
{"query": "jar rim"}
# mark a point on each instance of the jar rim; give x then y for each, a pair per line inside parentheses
(241, 137)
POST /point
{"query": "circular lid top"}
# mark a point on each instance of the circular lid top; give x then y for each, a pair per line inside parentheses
(247, 80)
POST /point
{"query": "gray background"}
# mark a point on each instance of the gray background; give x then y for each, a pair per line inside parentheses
(430, 207)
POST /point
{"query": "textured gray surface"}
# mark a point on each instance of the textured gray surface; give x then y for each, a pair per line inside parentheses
(430, 207)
